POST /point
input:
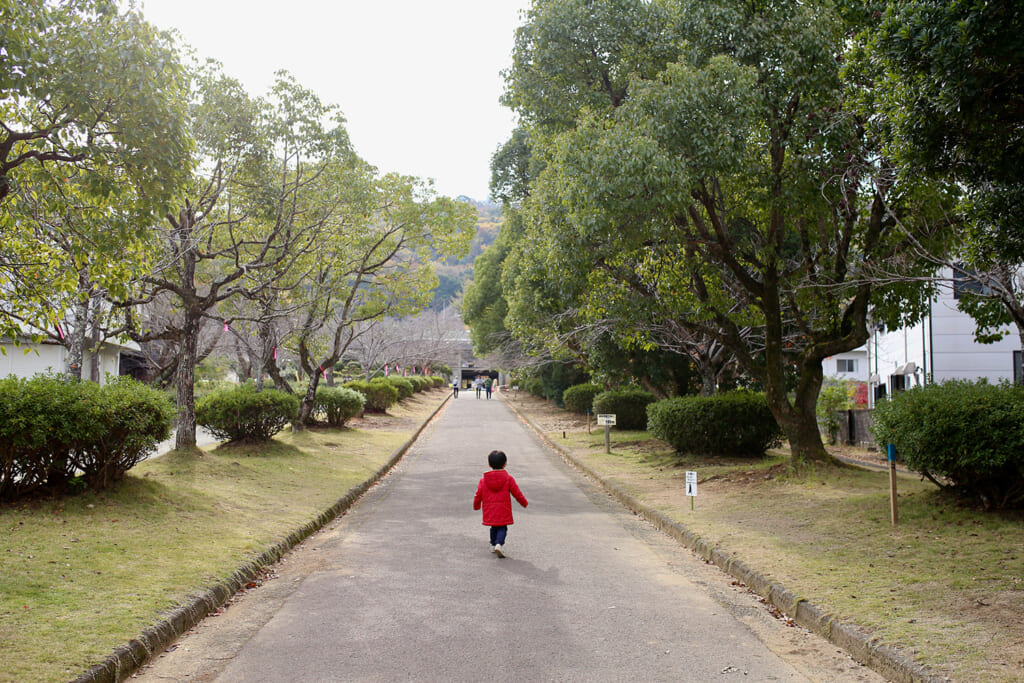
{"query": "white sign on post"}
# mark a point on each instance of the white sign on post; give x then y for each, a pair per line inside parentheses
(691, 483)
(606, 420)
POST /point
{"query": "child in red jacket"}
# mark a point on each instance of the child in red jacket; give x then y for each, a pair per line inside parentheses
(494, 494)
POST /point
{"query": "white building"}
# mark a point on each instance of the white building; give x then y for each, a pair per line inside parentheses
(939, 348)
(30, 359)
(851, 365)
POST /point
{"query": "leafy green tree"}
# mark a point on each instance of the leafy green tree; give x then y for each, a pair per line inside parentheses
(92, 129)
(374, 264)
(951, 91)
(234, 225)
(737, 190)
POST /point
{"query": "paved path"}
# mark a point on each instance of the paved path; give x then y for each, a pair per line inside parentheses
(404, 588)
(203, 438)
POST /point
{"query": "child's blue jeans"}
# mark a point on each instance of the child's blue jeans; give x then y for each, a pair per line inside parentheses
(498, 534)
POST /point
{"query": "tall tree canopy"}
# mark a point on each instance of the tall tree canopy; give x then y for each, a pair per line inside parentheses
(951, 98)
(728, 188)
(93, 128)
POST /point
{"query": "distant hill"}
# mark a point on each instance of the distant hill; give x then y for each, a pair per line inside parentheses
(453, 273)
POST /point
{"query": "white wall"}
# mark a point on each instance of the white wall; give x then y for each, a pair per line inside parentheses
(958, 356)
(830, 366)
(891, 350)
(33, 359)
(943, 347)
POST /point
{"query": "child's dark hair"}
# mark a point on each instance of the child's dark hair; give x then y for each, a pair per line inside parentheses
(496, 459)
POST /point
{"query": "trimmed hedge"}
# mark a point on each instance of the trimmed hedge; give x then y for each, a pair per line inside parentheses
(52, 431)
(380, 394)
(338, 404)
(736, 423)
(242, 412)
(420, 383)
(128, 420)
(628, 405)
(533, 386)
(966, 437)
(404, 386)
(579, 398)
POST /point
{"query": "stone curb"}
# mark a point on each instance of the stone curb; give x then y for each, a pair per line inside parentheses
(128, 658)
(888, 661)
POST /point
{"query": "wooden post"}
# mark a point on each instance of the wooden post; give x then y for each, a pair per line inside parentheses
(607, 438)
(892, 483)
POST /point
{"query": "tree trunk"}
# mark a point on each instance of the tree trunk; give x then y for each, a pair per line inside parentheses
(306, 407)
(799, 419)
(75, 340)
(280, 383)
(185, 435)
(96, 367)
(708, 378)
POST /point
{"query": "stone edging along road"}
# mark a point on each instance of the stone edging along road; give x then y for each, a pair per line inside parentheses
(887, 661)
(128, 658)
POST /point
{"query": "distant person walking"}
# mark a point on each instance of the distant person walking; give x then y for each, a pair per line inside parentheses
(478, 385)
(455, 389)
(494, 495)
(488, 383)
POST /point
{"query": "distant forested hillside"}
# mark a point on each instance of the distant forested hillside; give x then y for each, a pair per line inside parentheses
(453, 273)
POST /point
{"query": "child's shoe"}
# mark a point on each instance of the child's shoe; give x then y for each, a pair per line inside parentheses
(499, 551)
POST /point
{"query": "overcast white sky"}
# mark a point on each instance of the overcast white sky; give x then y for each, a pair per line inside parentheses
(417, 80)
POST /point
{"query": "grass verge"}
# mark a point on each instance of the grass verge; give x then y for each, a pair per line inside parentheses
(81, 576)
(946, 584)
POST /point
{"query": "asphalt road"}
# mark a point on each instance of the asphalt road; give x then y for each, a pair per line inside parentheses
(404, 588)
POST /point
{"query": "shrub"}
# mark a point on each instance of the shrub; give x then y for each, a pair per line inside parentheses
(628, 405)
(404, 386)
(533, 386)
(835, 396)
(244, 413)
(380, 395)
(338, 404)
(579, 398)
(420, 383)
(38, 421)
(734, 423)
(966, 437)
(51, 430)
(127, 420)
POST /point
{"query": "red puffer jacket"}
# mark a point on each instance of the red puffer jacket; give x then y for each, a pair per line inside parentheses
(494, 494)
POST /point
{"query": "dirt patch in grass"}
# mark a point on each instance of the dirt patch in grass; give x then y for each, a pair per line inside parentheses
(81, 576)
(946, 584)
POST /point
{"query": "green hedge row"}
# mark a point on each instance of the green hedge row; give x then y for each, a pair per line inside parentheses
(967, 437)
(56, 435)
(242, 413)
(628, 405)
(734, 423)
(379, 392)
(579, 398)
(337, 405)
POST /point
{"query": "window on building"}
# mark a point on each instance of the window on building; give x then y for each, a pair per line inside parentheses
(966, 280)
(846, 365)
(1018, 368)
(898, 383)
